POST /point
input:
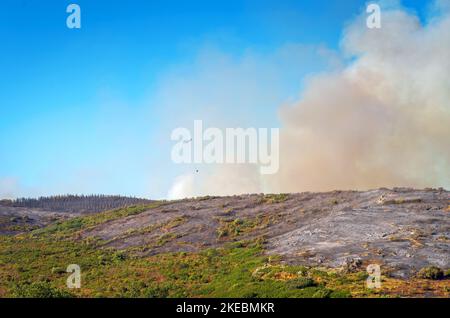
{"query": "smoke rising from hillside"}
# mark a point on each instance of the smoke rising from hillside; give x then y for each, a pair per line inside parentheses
(384, 120)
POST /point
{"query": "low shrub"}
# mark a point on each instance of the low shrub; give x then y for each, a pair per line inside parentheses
(39, 290)
(431, 272)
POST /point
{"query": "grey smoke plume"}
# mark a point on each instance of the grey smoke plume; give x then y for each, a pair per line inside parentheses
(381, 121)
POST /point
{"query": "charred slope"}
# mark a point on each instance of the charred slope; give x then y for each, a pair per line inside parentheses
(403, 230)
(26, 214)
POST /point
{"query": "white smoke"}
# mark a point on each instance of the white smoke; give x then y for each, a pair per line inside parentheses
(384, 120)
(217, 180)
(8, 188)
(183, 187)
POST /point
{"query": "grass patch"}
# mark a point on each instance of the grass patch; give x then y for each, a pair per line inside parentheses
(234, 228)
(274, 198)
(431, 272)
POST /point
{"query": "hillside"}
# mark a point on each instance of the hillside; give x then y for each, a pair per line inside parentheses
(264, 244)
(25, 214)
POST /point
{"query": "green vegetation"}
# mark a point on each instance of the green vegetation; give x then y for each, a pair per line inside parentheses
(166, 238)
(431, 272)
(212, 273)
(301, 282)
(33, 266)
(205, 198)
(234, 228)
(402, 200)
(274, 198)
(228, 211)
(38, 290)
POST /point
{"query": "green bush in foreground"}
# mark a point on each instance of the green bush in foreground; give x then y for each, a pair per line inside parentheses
(431, 272)
(39, 290)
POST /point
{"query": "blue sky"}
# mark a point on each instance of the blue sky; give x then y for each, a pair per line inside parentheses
(90, 110)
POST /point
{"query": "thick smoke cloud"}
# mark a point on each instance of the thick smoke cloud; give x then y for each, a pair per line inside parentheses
(382, 121)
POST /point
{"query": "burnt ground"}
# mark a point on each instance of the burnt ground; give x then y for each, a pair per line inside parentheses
(14, 220)
(403, 230)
